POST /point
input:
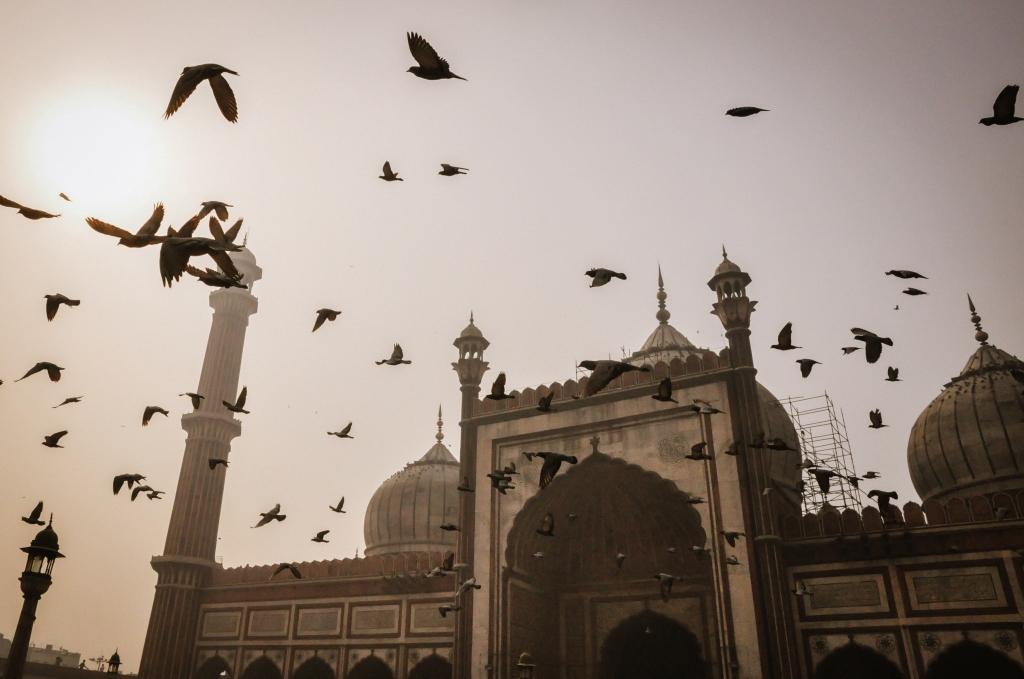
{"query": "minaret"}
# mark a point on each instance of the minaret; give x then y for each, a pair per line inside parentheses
(767, 570)
(471, 367)
(192, 534)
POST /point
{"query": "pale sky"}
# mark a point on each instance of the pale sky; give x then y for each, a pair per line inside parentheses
(594, 134)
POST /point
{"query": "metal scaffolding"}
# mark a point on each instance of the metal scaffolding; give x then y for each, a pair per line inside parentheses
(824, 444)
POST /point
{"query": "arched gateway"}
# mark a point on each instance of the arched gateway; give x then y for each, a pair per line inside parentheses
(651, 646)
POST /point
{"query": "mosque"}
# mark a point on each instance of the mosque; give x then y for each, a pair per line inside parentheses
(916, 590)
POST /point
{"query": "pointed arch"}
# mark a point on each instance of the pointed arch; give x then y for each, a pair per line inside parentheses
(314, 668)
(214, 668)
(433, 666)
(652, 646)
(971, 660)
(856, 660)
(262, 668)
(370, 667)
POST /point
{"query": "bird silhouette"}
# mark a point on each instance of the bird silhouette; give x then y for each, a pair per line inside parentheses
(849, 350)
(824, 478)
(801, 590)
(696, 500)
(451, 170)
(744, 111)
(396, 357)
(731, 535)
(52, 371)
(872, 343)
(213, 462)
(150, 411)
(894, 375)
(130, 479)
(140, 489)
(338, 509)
(190, 79)
(777, 444)
(64, 197)
(448, 608)
(51, 440)
(872, 475)
(343, 434)
(70, 399)
(1003, 108)
(388, 175)
(883, 498)
(218, 208)
(320, 536)
(544, 403)
(176, 251)
(604, 372)
(155, 494)
(732, 560)
(664, 393)
(914, 292)
(805, 366)
(697, 452)
(431, 66)
(785, 342)
(197, 399)
(904, 274)
(464, 486)
(216, 279)
(665, 582)
(53, 303)
(706, 408)
(33, 516)
(498, 389)
(273, 515)
(547, 526)
(734, 449)
(287, 567)
(239, 405)
(325, 315)
(603, 276)
(27, 212)
(465, 587)
(620, 558)
(876, 419)
(552, 463)
(222, 236)
(146, 235)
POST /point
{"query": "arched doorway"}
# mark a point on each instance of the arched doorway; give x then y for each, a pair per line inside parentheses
(432, 667)
(856, 661)
(651, 646)
(370, 667)
(262, 668)
(214, 668)
(314, 668)
(971, 660)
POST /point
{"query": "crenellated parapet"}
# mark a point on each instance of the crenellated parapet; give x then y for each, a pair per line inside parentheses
(403, 564)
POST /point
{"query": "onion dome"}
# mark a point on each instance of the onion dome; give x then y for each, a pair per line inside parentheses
(471, 330)
(45, 541)
(665, 343)
(726, 266)
(970, 440)
(406, 512)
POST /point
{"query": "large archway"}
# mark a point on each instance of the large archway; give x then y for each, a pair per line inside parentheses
(651, 646)
(262, 668)
(314, 668)
(856, 661)
(432, 667)
(370, 667)
(214, 668)
(971, 660)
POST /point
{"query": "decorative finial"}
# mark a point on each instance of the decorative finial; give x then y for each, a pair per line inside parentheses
(663, 315)
(981, 335)
(471, 318)
(724, 256)
(245, 238)
(51, 520)
(440, 423)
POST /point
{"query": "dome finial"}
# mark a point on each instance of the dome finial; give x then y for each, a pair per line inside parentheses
(440, 423)
(663, 314)
(471, 317)
(724, 256)
(980, 335)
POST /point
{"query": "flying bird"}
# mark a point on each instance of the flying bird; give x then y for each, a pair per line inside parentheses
(51, 440)
(273, 515)
(758, 441)
(214, 462)
(785, 339)
(1003, 108)
(431, 66)
(538, 555)
(130, 479)
(338, 509)
(448, 608)
(665, 392)
(177, 250)
(805, 366)
(140, 489)
(320, 536)
(876, 419)
(872, 475)
(1001, 513)
(343, 434)
(325, 315)
(665, 581)
(26, 212)
(619, 559)
(904, 274)
(466, 586)
(697, 551)
(239, 405)
(801, 590)
(823, 477)
(64, 197)
(451, 170)
(544, 403)
(914, 292)
(396, 357)
(150, 411)
(603, 276)
(53, 371)
(854, 480)
(450, 527)
(894, 375)
(731, 535)
(388, 175)
(218, 208)
(778, 444)
(883, 498)
(222, 236)
(155, 494)
(216, 279)
(146, 235)
(190, 79)
(53, 303)
(697, 452)
(849, 350)
(696, 500)
(465, 487)
(33, 516)
(287, 567)
(706, 408)
(872, 343)
(498, 389)
(734, 449)
(732, 560)
(197, 399)
(744, 111)
(70, 399)
(552, 463)
(604, 372)
(547, 527)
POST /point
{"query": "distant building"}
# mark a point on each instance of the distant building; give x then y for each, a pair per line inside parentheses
(48, 655)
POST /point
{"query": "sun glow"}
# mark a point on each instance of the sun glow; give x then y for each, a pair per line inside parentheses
(98, 152)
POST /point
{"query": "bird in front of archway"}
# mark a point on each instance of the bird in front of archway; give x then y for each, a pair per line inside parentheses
(785, 342)
(603, 372)
(876, 419)
(544, 403)
(665, 581)
(731, 535)
(547, 526)
(665, 392)
(498, 389)
(287, 567)
(552, 463)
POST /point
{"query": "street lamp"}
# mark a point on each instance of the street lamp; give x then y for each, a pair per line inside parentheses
(526, 666)
(34, 582)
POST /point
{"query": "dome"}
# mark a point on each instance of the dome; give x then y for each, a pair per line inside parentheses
(726, 266)
(471, 330)
(970, 440)
(406, 512)
(665, 343)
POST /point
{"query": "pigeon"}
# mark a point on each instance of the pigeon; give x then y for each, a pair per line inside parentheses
(876, 419)
(744, 111)
(544, 403)
(431, 66)
(325, 315)
(573, 516)
(801, 590)
(778, 444)
(734, 449)
(697, 551)
(338, 509)
(872, 343)
(150, 411)
(697, 452)
(197, 399)
(130, 479)
(465, 487)
(450, 527)
(33, 516)
(498, 389)
(53, 303)
(552, 463)
(619, 559)
(805, 366)
(604, 372)
(823, 477)
(854, 480)
(53, 371)
(140, 489)
(215, 206)
(51, 440)
(510, 468)
(696, 500)
(466, 586)
(239, 404)
(758, 441)
(220, 235)
(396, 357)
(603, 276)
(213, 462)
(26, 212)
(547, 527)
(732, 560)
(176, 251)
(706, 408)
(287, 567)
(914, 292)
(273, 515)
(155, 494)
(665, 392)
(894, 375)
(190, 79)
(320, 536)
(343, 434)
(1001, 513)
(872, 475)
(448, 608)
(882, 498)
(146, 235)
(849, 350)
(904, 274)
(187, 230)
(451, 170)
(1003, 109)
(70, 399)
(64, 197)
(448, 563)
(785, 339)
(216, 279)
(538, 555)
(731, 535)
(665, 580)
(390, 176)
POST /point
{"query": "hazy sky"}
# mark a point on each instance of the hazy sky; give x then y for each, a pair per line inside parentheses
(595, 136)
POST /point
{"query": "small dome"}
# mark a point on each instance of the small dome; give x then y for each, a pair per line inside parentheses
(726, 266)
(471, 330)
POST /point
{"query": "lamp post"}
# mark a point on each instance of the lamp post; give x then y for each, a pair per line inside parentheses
(526, 666)
(34, 582)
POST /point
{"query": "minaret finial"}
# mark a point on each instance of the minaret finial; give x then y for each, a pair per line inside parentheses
(724, 256)
(245, 238)
(471, 317)
(980, 335)
(663, 315)
(440, 423)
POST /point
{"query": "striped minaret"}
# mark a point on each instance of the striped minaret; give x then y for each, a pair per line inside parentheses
(191, 544)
